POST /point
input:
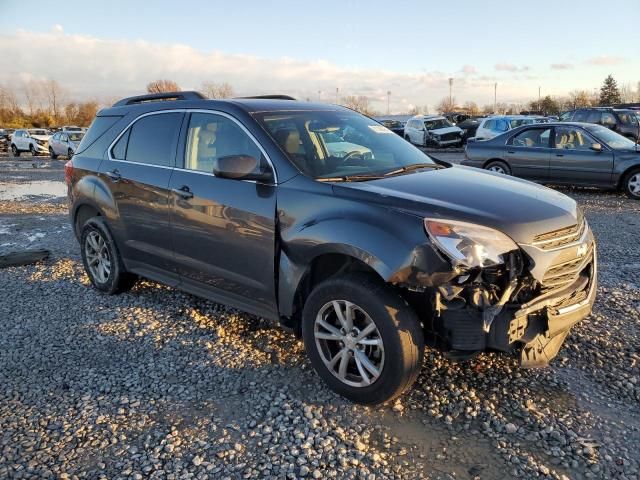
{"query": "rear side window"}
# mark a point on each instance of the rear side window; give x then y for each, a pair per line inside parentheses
(501, 126)
(98, 127)
(580, 116)
(152, 139)
(593, 117)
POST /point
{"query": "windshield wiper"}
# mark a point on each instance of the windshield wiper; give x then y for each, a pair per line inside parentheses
(350, 178)
(409, 168)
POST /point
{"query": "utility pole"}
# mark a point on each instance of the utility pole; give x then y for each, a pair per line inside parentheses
(336, 95)
(495, 97)
(319, 94)
(450, 93)
(388, 100)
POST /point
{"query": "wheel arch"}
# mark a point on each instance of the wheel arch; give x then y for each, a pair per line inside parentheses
(495, 159)
(625, 173)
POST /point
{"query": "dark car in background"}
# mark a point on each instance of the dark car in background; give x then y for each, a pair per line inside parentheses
(469, 127)
(562, 153)
(624, 121)
(367, 255)
(395, 126)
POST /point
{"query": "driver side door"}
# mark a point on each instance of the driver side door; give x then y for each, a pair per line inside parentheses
(223, 229)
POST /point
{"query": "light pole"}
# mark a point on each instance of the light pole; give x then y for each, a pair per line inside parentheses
(538, 98)
(319, 94)
(495, 97)
(336, 95)
(450, 93)
(388, 100)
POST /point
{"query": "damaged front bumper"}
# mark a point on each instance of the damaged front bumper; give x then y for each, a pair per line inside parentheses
(536, 328)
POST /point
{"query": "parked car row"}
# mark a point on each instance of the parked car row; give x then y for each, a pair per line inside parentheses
(39, 141)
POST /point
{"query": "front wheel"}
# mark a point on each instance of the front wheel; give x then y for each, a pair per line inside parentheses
(362, 338)
(498, 166)
(32, 149)
(52, 154)
(14, 151)
(101, 258)
(69, 154)
(631, 184)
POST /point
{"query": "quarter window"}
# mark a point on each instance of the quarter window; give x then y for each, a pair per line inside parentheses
(211, 137)
(151, 140)
(571, 138)
(580, 116)
(593, 117)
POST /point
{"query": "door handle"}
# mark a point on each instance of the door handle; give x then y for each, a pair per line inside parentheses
(183, 192)
(559, 154)
(511, 151)
(114, 175)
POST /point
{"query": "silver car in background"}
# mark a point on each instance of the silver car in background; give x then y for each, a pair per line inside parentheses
(64, 143)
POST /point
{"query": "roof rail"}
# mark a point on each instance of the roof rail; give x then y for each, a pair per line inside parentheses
(155, 97)
(267, 97)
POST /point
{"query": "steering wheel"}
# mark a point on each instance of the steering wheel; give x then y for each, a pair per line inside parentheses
(351, 156)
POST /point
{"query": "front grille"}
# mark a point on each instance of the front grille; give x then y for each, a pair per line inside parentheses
(560, 238)
(445, 137)
(565, 273)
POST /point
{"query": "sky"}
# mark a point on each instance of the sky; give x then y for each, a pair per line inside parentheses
(113, 48)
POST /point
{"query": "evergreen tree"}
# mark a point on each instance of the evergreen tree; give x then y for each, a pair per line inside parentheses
(609, 93)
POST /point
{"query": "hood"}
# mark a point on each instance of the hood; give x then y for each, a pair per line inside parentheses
(442, 131)
(42, 138)
(519, 208)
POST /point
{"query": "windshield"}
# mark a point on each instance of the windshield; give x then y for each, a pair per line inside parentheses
(610, 138)
(38, 132)
(436, 124)
(332, 144)
(75, 137)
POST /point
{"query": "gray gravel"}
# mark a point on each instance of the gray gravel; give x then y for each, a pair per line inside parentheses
(159, 384)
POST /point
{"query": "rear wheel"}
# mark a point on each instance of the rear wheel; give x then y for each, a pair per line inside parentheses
(631, 184)
(498, 166)
(362, 338)
(101, 258)
(14, 151)
(69, 154)
(52, 154)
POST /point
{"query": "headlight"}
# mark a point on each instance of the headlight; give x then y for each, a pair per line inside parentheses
(468, 244)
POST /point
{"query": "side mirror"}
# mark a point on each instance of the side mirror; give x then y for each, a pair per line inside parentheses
(242, 167)
(596, 147)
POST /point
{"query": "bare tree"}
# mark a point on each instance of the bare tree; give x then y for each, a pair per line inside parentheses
(55, 96)
(162, 86)
(215, 90)
(358, 103)
(446, 105)
(33, 94)
(471, 108)
(626, 93)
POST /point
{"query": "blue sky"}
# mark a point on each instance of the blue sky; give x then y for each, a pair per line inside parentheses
(409, 47)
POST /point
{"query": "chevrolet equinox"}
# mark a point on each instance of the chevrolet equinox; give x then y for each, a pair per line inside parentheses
(324, 220)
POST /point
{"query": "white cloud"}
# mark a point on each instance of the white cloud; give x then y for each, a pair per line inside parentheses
(89, 67)
(509, 67)
(605, 60)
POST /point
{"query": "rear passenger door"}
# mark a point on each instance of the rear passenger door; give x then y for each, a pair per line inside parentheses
(223, 229)
(528, 153)
(136, 174)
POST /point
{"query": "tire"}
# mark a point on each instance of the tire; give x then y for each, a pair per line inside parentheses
(69, 154)
(498, 166)
(32, 149)
(396, 327)
(117, 279)
(631, 184)
(14, 151)
(407, 138)
(51, 154)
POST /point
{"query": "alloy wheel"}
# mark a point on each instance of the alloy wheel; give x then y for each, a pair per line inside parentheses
(349, 343)
(98, 259)
(633, 184)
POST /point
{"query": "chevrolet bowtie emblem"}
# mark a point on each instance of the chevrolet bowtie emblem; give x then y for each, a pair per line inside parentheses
(582, 250)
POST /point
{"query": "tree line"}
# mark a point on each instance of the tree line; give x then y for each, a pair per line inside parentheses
(44, 103)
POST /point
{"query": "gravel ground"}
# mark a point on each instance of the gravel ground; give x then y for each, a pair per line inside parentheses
(155, 383)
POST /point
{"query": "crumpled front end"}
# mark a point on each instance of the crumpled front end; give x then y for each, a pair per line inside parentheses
(528, 304)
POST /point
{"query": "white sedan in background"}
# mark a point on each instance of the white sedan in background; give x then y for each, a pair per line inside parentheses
(64, 143)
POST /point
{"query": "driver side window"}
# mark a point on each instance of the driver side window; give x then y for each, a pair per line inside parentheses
(211, 137)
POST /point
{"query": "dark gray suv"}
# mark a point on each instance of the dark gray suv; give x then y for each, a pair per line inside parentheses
(323, 219)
